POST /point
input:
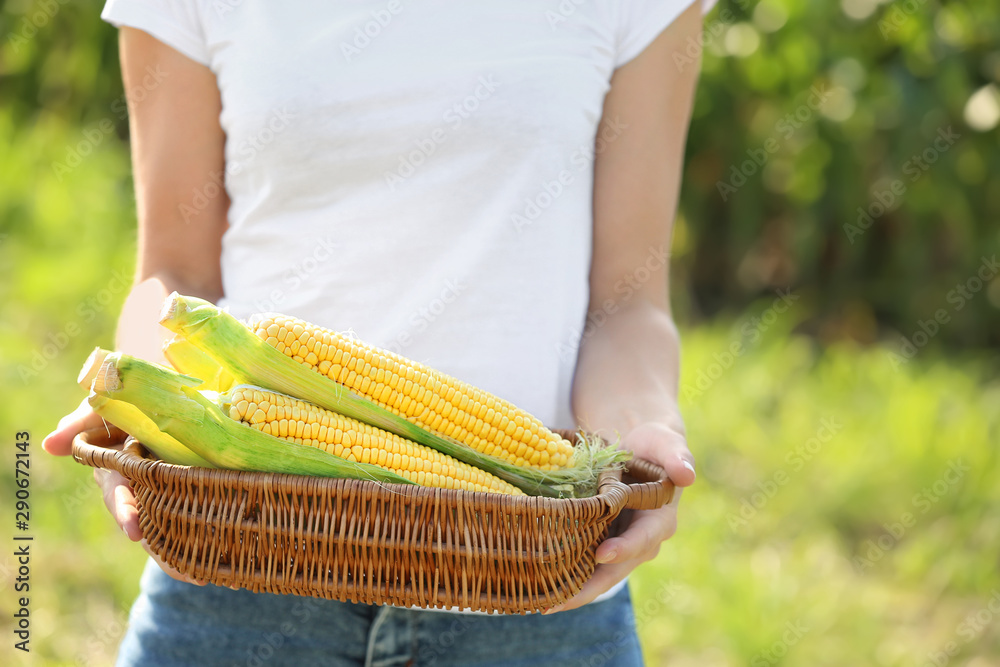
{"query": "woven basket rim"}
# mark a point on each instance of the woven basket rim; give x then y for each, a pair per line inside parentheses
(93, 447)
(136, 459)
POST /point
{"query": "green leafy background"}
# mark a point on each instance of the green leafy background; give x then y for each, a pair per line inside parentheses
(815, 443)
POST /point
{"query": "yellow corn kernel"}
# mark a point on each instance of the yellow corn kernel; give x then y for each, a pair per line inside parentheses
(302, 422)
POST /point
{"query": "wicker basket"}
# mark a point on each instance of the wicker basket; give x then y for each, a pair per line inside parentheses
(365, 542)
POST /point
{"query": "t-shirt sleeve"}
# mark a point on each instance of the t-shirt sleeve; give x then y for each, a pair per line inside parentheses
(641, 21)
(176, 23)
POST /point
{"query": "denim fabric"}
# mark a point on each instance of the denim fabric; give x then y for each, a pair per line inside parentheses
(174, 624)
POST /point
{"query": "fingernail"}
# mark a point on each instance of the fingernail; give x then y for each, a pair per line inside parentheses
(552, 610)
(608, 557)
(687, 465)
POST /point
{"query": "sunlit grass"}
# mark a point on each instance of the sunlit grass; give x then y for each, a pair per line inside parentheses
(880, 542)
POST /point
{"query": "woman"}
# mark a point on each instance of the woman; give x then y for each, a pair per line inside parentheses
(487, 187)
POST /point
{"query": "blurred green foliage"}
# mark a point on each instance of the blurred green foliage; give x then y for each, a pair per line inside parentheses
(757, 382)
(834, 494)
(807, 115)
(891, 79)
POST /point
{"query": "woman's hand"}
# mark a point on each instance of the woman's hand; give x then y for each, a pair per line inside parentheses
(618, 556)
(628, 365)
(117, 492)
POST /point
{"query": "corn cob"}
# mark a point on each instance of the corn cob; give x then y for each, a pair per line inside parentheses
(426, 397)
(189, 360)
(130, 419)
(251, 360)
(177, 408)
(303, 423)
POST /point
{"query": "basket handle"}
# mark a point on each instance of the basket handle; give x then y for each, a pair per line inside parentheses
(653, 489)
(96, 448)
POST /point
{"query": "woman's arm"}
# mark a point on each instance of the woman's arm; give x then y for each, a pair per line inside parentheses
(628, 365)
(177, 145)
(177, 148)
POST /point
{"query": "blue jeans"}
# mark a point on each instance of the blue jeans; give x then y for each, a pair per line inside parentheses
(173, 623)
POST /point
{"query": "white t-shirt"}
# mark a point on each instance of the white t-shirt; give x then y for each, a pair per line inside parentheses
(419, 172)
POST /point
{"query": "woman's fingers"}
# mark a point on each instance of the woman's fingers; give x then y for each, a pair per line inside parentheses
(666, 447)
(115, 488)
(618, 556)
(120, 501)
(679, 467)
(604, 577)
(60, 441)
(643, 537)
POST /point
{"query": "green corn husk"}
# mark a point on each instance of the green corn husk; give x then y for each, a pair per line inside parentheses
(251, 360)
(91, 366)
(189, 360)
(130, 419)
(176, 407)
